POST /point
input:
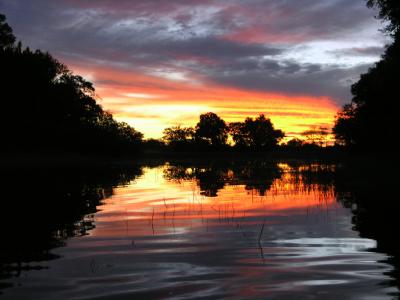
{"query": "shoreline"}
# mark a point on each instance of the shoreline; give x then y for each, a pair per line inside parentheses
(67, 159)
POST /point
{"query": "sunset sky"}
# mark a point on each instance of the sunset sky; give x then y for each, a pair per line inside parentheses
(158, 63)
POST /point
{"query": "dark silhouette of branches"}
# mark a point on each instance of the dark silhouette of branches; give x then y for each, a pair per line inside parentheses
(211, 130)
(370, 123)
(389, 10)
(256, 134)
(46, 106)
(7, 38)
(179, 138)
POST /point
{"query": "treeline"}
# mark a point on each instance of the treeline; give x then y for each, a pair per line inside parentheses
(47, 107)
(213, 133)
(370, 121)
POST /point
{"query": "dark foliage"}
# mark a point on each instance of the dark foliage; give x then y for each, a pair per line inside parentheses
(46, 106)
(211, 133)
(153, 146)
(179, 138)
(54, 204)
(211, 130)
(256, 134)
(389, 10)
(7, 39)
(369, 189)
(317, 135)
(370, 123)
(295, 143)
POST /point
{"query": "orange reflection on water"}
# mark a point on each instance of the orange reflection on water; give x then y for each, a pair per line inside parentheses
(154, 205)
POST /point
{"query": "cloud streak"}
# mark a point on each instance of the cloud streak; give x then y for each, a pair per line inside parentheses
(198, 53)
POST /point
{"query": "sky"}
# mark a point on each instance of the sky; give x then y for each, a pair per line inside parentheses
(160, 63)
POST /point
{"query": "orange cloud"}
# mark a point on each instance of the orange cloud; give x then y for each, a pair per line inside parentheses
(153, 102)
(259, 35)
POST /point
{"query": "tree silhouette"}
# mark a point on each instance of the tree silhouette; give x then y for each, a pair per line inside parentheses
(345, 129)
(258, 133)
(295, 143)
(212, 130)
(370, 123)
(176, 134)
(239, 135)
(389, 10)
(48, 107)
(317, 135)
(7, 38)
(178, 138)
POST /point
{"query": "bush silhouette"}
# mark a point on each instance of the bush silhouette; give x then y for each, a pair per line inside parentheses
(46, 106)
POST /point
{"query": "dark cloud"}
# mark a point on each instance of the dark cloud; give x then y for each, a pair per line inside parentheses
(358, 51)
(240, 43)
(214, 48)
(291, 78)
(304, 20)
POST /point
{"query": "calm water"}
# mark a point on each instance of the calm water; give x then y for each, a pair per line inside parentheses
(221, 230)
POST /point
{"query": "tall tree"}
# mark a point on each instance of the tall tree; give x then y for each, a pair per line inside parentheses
(261, 133)
(178, 138)
(46, 106)
(258, 133)
(239, 134)
(7, 38)
(370, 122)
(389, 10)
(212, 129)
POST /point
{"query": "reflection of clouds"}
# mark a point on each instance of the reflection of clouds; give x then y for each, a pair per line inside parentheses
(159, 236)
(320, 247)
(182, 197)
(307, 242)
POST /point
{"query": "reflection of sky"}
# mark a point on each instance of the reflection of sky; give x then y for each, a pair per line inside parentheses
(292, 60)
(157, 239)
(154, 199)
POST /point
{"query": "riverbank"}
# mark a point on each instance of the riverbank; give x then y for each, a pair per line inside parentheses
(67, 159)
(57, 158)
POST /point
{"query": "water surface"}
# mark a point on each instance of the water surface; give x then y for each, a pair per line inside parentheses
(221, 230)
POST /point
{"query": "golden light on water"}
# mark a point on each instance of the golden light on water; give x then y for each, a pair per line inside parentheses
(156, 205)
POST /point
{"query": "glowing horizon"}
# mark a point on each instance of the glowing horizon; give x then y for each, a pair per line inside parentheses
(157, 64)
(146, 104)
